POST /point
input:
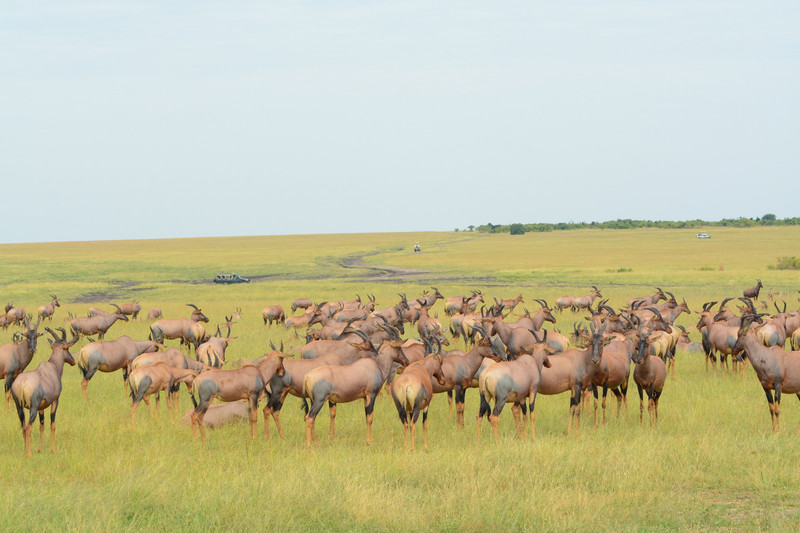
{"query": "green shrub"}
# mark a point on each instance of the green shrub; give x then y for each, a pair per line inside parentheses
(517, 229)
(786, 263)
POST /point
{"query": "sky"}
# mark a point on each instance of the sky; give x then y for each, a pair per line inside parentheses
(138, 119)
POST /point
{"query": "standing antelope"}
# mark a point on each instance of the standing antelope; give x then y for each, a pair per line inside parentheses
(36, 390)
(154, 314)
(212, 352)
(46, 311)
(290, 381)
(131, 309)
(514, 381)
(109, 356)
(97, 324)
(152, 379)
(273, 313)
(572, 371)
(752, 292)
(459, 369)
(649, 375)
(189, 330)
(14, 315)
(342, 384)
(245, 383)
(412, 392)
(776, 369)
(14, 358)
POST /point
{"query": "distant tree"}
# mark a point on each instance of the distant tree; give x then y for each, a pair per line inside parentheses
(471, 227)
(517, 229)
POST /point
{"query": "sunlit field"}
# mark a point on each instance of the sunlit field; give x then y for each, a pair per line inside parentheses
(713, 461)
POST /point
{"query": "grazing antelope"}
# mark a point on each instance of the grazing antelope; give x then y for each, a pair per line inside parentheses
(154, 314)
(47, 311)
(15, 357)
(245, 383)
(301, 303)
(110, 356)
(38, 389)
(514, 381)
(131, 309)
(412, 392)
(152, 379)
(189, 330)
(649, 375)
(273, 313)
(97, 324)
(341, 384)
(752, 292)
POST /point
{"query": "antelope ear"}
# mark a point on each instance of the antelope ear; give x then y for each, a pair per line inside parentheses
(547, 363)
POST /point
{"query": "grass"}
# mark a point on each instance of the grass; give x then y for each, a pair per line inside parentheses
(712, 463)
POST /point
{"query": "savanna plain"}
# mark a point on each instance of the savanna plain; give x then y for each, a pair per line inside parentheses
(711, 463)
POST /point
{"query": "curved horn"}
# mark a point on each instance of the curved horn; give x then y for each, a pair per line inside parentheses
(194, 306)
(658, 314)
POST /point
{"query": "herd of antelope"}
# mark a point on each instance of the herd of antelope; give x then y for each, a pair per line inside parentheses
(354, 350)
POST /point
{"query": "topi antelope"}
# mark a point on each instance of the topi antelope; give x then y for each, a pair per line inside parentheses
(131, 309)
(245, 383)
(514, 381)
(97, 324)
(189, 330)
(46, 311)
(649, 375)
(572, 371)
(273, 313)
(342, 384)
(154, 314)
(36, 390)
(752, 292)
(776, 369)
(152, 379)
(412, 392)
(110, 356)
(15, 357)
(212, 352)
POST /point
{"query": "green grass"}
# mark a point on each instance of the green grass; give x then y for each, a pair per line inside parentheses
(712, 463)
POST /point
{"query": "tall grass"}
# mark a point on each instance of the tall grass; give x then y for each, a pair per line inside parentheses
(712, 462)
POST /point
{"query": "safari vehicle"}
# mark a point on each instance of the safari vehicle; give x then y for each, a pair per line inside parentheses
(229, 277)
(703, 235)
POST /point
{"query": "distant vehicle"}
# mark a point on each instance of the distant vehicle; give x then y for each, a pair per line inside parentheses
(227, 277)
(703, 235)
(417, 248)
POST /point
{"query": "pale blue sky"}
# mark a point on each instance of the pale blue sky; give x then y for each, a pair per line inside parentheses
(178, 119)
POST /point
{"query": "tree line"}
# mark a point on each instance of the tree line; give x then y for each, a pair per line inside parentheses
(626, 223)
